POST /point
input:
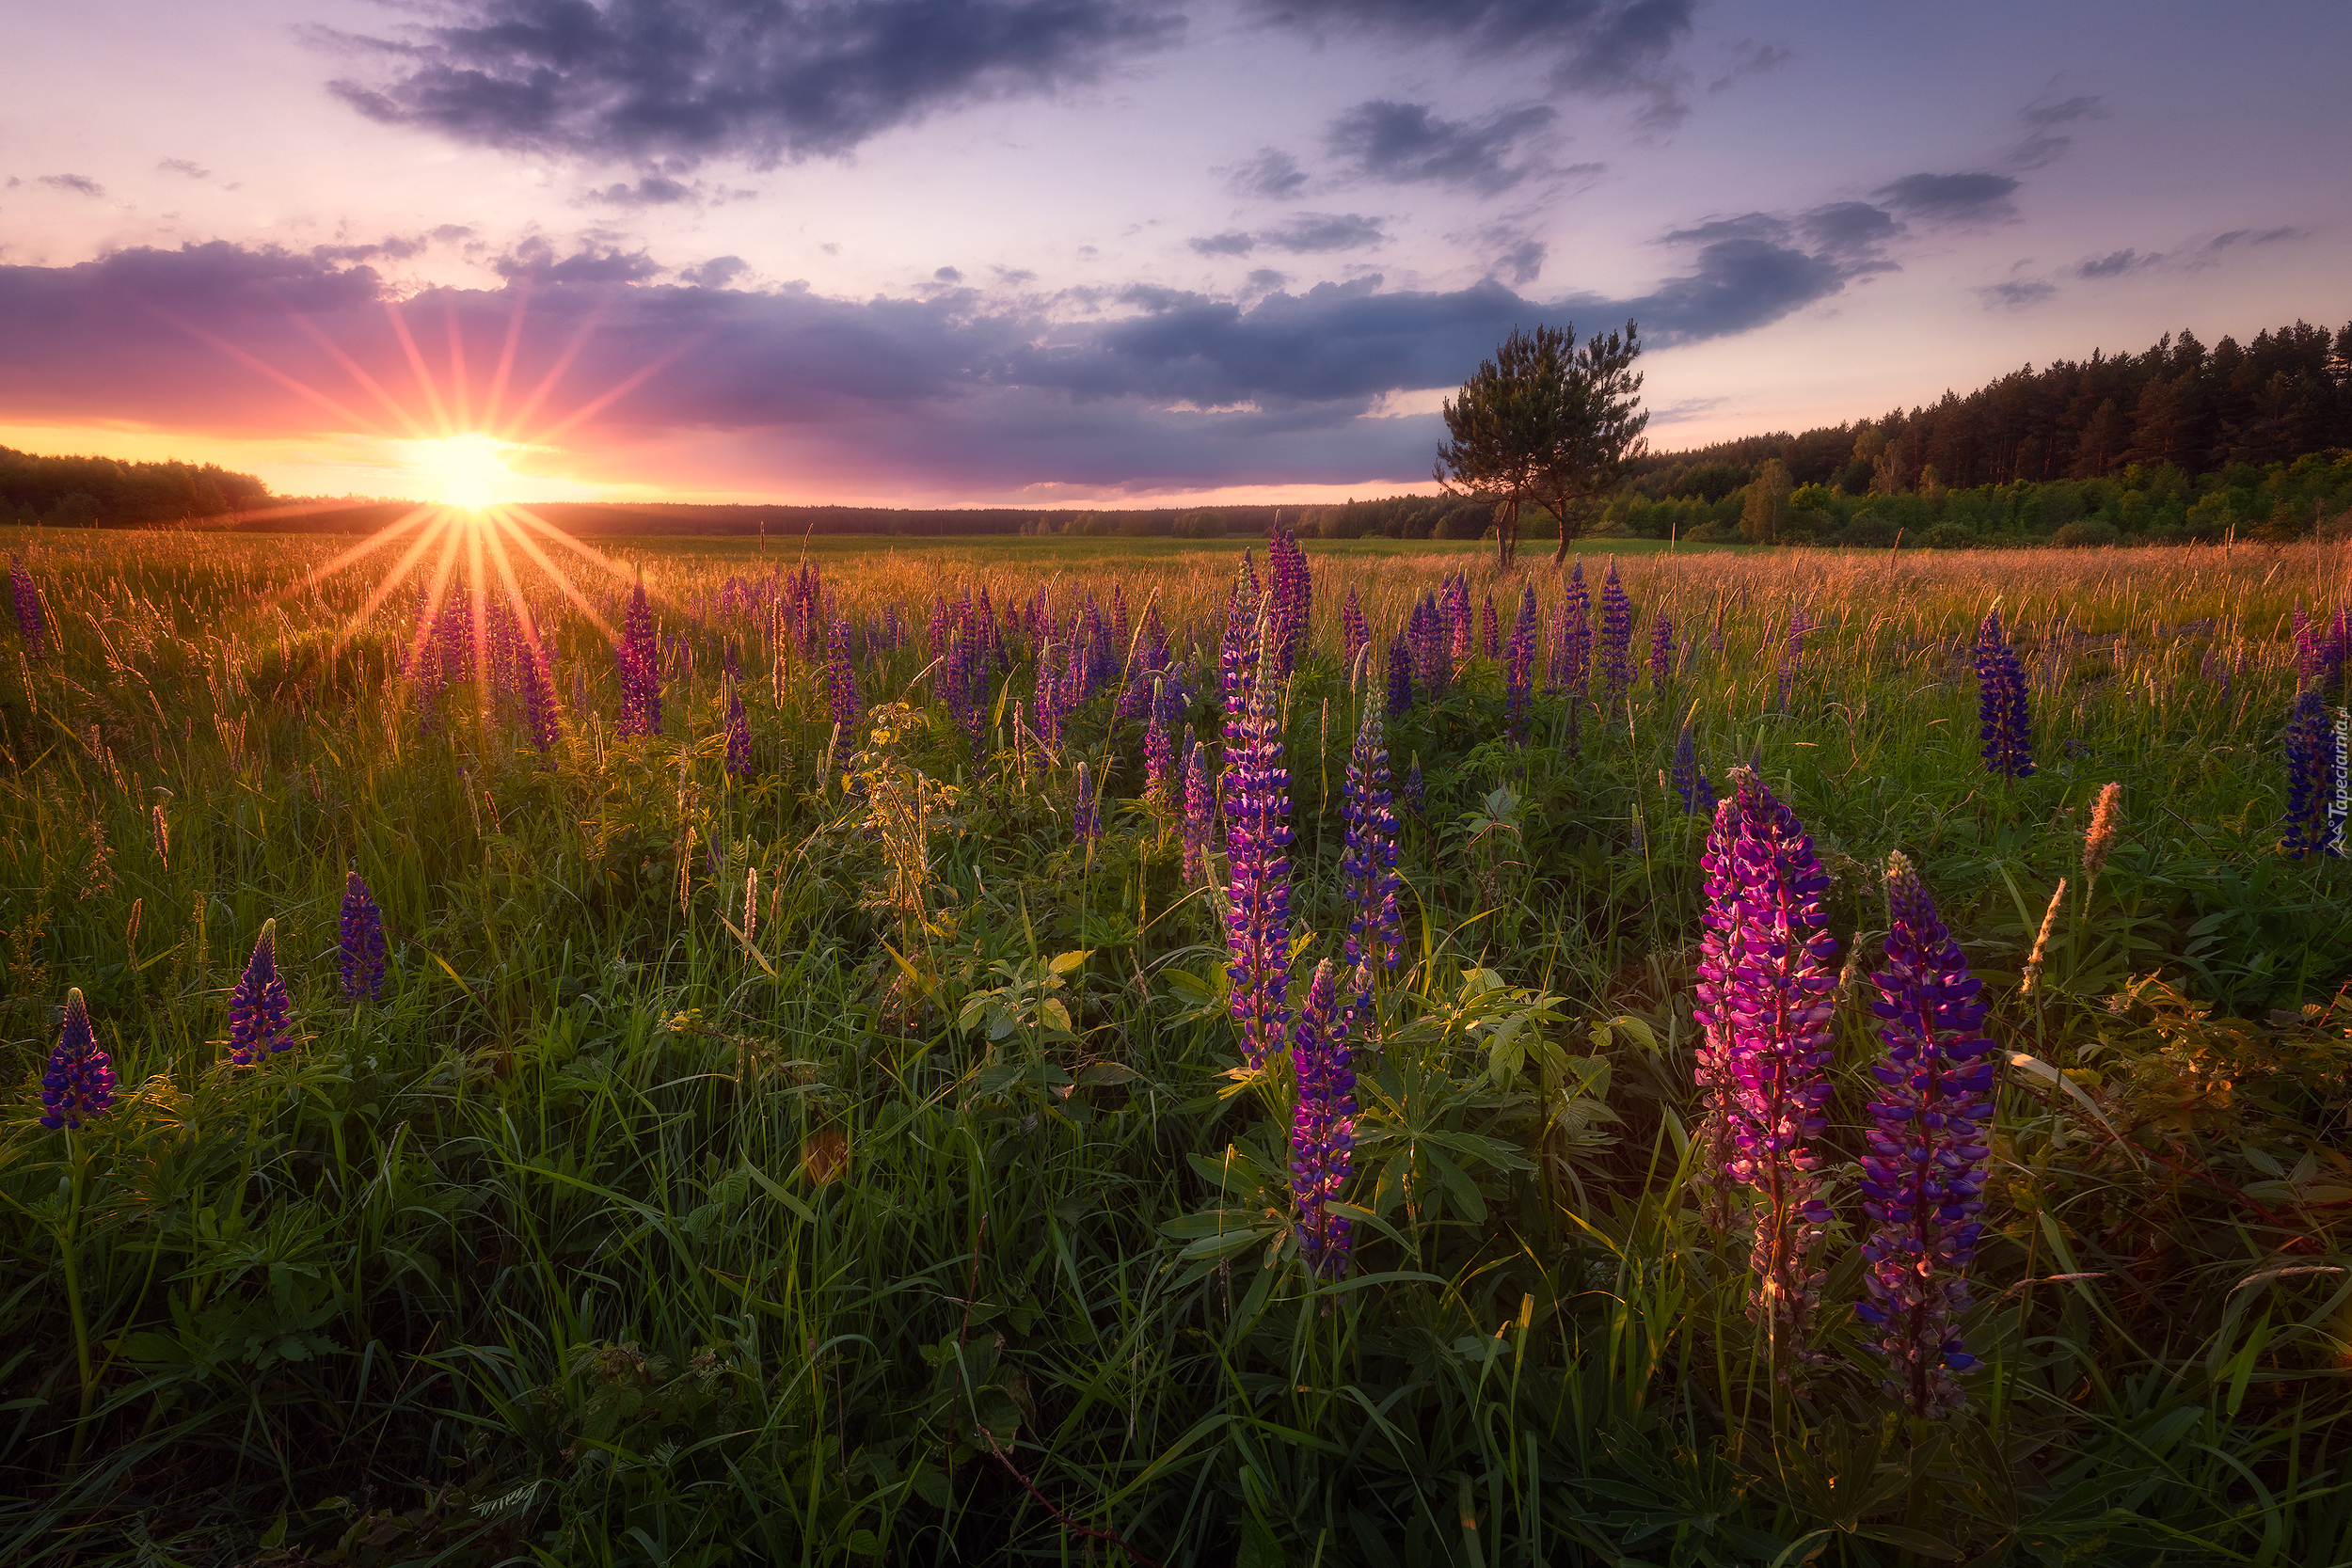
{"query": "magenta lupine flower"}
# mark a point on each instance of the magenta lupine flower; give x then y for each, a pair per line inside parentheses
(2007, 723)
(738, 735)
(1923, 1181)
(30, 625)
(1199, 813)
(1400, 677)
(1159, 784)
(1293, 599)
(640, 657)
(1257, 831)
(1765, 994)
(841, 692)
(80, 1082)
(2315, 762)
(1489, 632)
(1662, 651)
(1616, 638)
(539, 717)
(1368, 878)
(1322, 1126)
(361, 948)
(1354, 633)
(1086, 817)
(261, 1014)
(1519, 669)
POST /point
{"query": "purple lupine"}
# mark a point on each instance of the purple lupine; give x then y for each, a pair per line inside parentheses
(2315, 764)
(1400, 677)
(539, 716)
(639, 658)
(30, 623)
(738, 735)
(1519, 669)
(361, 948)
(1792, 656)
(1355, 632)
(260, 1013)
(1368, 878)
(1572, 650)
(1293, 598)
(1322, 1126)
(1257, 831)
(1923, 1179)
(1199, 813)
(841, 694)
(1691, 781)
(1489, 632)
(1460, 630)
(2007, 722)
(1616, 640)
(1086, 817)
(1662, 651)
(1239, 652)
(1766, 992)
(1159, 784)
(80, 1082)
(1415, 795)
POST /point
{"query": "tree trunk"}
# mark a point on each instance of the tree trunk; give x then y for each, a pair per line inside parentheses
(1506, 532)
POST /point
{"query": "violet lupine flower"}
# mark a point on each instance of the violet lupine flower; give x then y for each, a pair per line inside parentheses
(1199, 813)
(361, 948)
(29, 622)
(261, 1014)
(1292, 599)
(539, 717)
(841, 692)
(1662, 651)
(1257, 831)
(1572, 651)
(1159, 784)
(1490, 633)
(1086, 818)
(1793, 656)
(1689, 779)
(1368, 878)
(640, 657)
(80, 1082)
(1459, 628)
(1322, 1126)
(1426, 634)
(1400, 677)
(1519, 669)
(1616, 638)
(1354, 633)
(738, 735)
(1923, 1179)
(2007, 723)
(2315, 762)
(1415, 797)
(1766, 991)
(1239, 653)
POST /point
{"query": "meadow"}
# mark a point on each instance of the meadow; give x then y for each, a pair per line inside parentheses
(810, 1132)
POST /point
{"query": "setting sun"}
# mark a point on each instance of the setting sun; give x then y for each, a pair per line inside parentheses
(466, 470)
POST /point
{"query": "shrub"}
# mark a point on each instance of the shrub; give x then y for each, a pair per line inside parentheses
(2087, 533)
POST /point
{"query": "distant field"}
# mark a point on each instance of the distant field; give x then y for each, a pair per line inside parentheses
(789, 1142)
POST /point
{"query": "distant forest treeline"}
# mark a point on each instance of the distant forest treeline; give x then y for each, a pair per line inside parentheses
(2180, 442)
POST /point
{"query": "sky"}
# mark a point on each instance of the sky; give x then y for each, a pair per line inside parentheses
(1101, 252)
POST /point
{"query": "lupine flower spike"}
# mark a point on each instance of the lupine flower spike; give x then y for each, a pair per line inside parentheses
(1086, 817)
(640, 668)
(1766, 991)
(1368, 878)
(261, 1014)
(1689, 779)
(362, 945)
(1199, 814)
(1257, 831)
(1322, 1126)
(2006, 722)
(80, 1082)
(1923, 1179)
(738, 735)
(2315, 768)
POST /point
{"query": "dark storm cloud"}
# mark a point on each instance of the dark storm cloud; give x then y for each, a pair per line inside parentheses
(765, 79)
(1950, 198)
(1272, 175)
(946, 392)
(1400, 143)
(1307, 234)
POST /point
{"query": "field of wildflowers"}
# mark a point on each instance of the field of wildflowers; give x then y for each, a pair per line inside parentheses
(1087, 1050)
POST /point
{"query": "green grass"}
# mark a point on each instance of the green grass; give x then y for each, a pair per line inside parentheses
(607, 1239)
